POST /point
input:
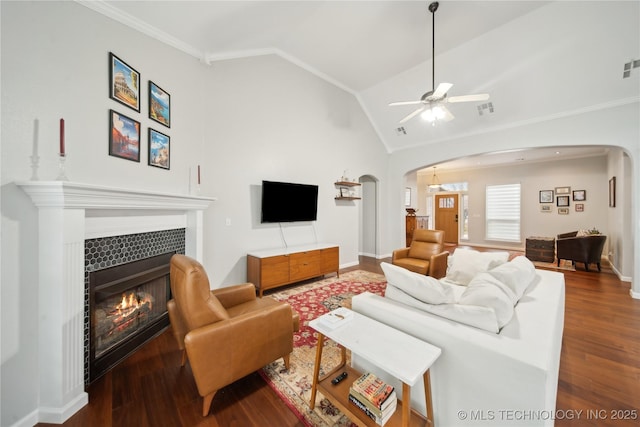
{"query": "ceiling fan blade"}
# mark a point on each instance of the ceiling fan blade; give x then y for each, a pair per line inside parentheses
(441, 90)
(412, 115)
(447, 114)
(393, 104)
(469, 98)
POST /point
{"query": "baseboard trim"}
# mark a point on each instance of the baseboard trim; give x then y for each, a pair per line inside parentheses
(60, 415)
(383, 256)
(349, 264)
(54, 415)
(367, 254)
(617, 272)
(28, 421)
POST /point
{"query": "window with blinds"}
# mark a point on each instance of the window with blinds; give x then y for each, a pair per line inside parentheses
(503, 212)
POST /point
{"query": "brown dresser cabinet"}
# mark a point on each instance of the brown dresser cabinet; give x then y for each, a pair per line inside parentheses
(272, 268)
(541, 249)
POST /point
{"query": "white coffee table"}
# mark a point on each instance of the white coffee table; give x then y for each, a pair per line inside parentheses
(399, 354)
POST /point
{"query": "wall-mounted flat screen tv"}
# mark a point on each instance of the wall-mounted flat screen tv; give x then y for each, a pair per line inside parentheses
(289, 202)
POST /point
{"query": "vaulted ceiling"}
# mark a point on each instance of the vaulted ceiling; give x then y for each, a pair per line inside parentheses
(538, 60)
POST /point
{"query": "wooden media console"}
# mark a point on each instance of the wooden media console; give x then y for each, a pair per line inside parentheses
(272, 268)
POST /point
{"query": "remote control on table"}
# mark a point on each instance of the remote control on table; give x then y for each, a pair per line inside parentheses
(339, 378)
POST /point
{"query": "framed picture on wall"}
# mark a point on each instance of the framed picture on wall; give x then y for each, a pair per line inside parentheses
(579, 207)
(562, 201)
(579, 195)
(159, 149)
(563, 211)
(546, 208)
(546, 196)
(159, 105)
(124, 83)
(563, 190)
(124, 136)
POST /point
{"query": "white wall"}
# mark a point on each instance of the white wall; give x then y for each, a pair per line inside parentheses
(620, 249)
(55, 58)
(242, 120)
(615, 125)
(269, 119)
(589, 174)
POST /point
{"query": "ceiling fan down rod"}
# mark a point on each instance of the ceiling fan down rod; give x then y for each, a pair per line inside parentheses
(432, 8)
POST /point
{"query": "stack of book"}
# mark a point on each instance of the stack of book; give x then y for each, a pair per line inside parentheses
(375, 397)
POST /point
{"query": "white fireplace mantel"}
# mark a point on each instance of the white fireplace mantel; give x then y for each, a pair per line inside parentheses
(73, 195)
(69, 213)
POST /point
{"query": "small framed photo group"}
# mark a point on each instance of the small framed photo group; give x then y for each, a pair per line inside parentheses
(562, 197)
(125, 132)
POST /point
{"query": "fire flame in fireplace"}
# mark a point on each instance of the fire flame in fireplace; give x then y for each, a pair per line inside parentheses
(133, 301)
(126, 313)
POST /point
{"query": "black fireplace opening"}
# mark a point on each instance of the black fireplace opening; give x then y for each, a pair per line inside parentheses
(127, 308)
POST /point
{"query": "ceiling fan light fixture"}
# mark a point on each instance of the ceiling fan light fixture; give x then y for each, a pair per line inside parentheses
(428, 115)
(432, 114)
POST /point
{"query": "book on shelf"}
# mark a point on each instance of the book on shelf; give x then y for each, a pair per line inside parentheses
(336, 318)
(388, 405)
(373, 389)
(380, 419)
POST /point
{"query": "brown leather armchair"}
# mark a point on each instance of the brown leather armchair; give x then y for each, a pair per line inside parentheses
(585, 249)
(425, 255)
(228, 332)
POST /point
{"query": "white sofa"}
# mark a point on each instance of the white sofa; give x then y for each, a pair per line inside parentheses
(484, 378)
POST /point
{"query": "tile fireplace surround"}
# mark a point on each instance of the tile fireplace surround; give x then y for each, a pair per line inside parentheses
(68, 214)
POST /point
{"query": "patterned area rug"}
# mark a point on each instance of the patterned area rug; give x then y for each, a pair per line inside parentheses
(310, 301)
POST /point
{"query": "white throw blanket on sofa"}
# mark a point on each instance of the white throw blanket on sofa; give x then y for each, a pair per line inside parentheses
(484, 299)
(487, 374)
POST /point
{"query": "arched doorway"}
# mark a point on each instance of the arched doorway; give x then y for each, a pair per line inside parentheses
(368, 239)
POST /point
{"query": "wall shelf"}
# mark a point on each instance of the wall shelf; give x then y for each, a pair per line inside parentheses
(344, 187)
(347, 184)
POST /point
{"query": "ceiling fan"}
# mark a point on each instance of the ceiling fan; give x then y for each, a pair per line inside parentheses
(432, 103)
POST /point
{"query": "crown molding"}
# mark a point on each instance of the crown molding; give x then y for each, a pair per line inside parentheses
(249, 53)
(131, 21)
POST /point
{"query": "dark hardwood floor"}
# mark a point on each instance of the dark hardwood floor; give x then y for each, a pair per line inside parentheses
(599, 372)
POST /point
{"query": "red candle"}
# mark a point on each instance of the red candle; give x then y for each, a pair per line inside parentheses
(198, 174)
(62, 137)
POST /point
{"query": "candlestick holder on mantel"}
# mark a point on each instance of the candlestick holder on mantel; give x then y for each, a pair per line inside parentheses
(35, 164)
(62, 176)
